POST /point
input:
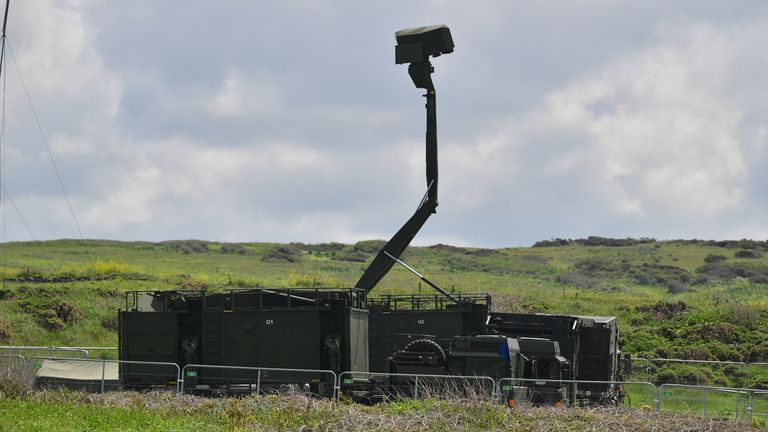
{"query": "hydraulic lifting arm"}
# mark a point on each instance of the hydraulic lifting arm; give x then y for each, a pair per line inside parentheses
(415, 46)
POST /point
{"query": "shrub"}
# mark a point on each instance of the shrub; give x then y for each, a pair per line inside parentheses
(350, 255)
(320, 247)
(744, 315)
(6, 330)
(714, 258)
(16, 377)
(234, 249)
(756, 273)
(576, 278)
(59, 315)
(664, 310)
(369, 246)
(283, 254)
(193, 246)
(110, 322)
(676, 287)
(746, 253)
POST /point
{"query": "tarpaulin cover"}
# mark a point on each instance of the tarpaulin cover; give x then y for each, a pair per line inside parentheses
(78, 370)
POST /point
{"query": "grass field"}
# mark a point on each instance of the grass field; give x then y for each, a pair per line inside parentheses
(163, 412)
(681, 299)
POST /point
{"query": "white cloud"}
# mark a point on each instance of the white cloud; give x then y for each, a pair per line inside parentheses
(654, 134)
(240, 97)
(659, 131)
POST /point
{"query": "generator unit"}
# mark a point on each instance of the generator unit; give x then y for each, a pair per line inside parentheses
(396, 320)
(532, 367)
(590, 343)
(279, 328)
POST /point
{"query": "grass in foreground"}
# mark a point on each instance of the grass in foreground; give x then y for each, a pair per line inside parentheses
(48, 410)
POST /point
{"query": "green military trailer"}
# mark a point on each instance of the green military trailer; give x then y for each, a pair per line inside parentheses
(314, 329)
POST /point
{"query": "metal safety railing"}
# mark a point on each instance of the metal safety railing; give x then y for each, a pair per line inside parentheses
(110, 375)
(641, 394)
(706, 400)
(104, 375)
(225, 380)
(385, 386)
(759, 403)
(51, 351)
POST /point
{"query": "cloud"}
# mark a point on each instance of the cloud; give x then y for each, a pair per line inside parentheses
(291, 123)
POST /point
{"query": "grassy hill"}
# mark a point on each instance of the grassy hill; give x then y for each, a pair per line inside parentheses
(682, 299)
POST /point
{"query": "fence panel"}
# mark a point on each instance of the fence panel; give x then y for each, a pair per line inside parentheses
(758, 376)
(232, 380)
(380, 386)
(719, 402)
(15, 374)
(639, 394)
(51, 351)
(642, 370)
(759, 403)
(707, 373)
(104, 375)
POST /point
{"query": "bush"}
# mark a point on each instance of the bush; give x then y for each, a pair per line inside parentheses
(676, 287)
(59, 315)
(595, 241)
(46, 306)
(16, 377)
(714, 258)
(193, 246)
(576, 278)
(369, 246)
(664, 310)
(756, 273)
(351, 256)
(746, 253)
(235, 249)
(6, 330)
(110, 322)
(319, 247)
(283, 254)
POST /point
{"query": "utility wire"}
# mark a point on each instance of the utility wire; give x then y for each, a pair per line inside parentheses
(45, 141)
(18, 212)
(2, 137)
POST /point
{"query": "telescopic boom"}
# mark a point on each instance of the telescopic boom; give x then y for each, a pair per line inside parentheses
(415, 46)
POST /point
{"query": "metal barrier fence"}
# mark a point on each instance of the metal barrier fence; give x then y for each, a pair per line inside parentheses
(104, 375)
(380, 386)
(227, 380)
(719, 402)
(759, 403)
(638, 394)
(49, 351)
(758, 375)
(109, 375)
(712, 373)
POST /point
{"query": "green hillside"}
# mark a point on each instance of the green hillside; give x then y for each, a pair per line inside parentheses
(682, 299)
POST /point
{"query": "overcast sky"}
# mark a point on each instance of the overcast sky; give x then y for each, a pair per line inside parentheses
(289, 121)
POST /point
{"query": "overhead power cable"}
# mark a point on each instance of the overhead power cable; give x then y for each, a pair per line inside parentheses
(18, 212)
(45, 142)
(2, 136)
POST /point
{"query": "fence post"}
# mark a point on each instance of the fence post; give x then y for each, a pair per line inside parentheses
(337, 387)
(103, 374)
(657, 402)
(179, 380)
(258, 381)
(416, 388)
